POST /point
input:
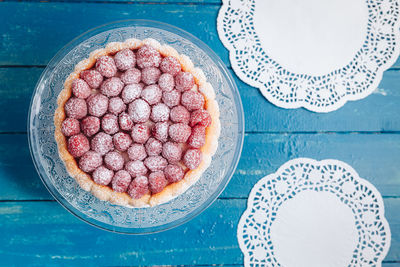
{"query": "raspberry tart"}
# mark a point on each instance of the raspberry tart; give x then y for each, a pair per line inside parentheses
(136, 124)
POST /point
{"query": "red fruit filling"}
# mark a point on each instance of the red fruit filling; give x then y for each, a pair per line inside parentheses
(135, 121)
(80, 89)
(90, 161)
(170, 65)
(116, 105)
(92, 77)
(180, 114)
(70, 127)
(121, 181)
(78, 145)
(184, 81)
(125, 59)
(76, 108)
(157, 182)
(105, 65)
(174, 173)
(131, 76)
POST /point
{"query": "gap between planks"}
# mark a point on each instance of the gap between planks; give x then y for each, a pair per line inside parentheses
(219, 198)
(152, 2)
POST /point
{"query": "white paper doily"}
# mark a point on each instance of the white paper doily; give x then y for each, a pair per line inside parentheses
(315, 54)
(314, 213)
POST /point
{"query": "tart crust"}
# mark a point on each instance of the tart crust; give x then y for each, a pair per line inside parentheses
(170, 191)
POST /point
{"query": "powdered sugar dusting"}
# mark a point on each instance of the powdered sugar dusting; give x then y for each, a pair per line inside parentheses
(102, 175)
(97, 105)
(152, 94)
(102, 143)
(114, 160)
(159, 112)
(139, 110)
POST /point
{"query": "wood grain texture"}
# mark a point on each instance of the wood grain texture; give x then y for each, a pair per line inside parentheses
(22, 35)
(374, 156)
(378, 112)
(54, 236)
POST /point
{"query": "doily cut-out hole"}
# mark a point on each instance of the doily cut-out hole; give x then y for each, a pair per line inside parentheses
(314, 213)
(316, 54)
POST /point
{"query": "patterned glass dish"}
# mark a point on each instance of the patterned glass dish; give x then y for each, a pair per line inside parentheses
(105, 215)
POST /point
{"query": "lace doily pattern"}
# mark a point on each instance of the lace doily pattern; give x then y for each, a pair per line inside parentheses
(322, 93)
(330, 178)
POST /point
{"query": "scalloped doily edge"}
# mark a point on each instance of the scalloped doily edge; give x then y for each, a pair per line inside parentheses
(289, 163)
(343, 100)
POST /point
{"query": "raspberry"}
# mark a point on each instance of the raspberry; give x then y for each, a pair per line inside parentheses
(198, 136)
(137, 152)
(125, 122)
(135, 168)
(170, 65)
(109, 124)
(80, 88)
(121, 181)
(180, 114)
(160, 131)
(76, 108)
(147, 56)
(116, 105)
(150, 75)
(173, 173)
(166, 82)
(131, 76)
(90, 125)
(112, 87)
(90, 161)
(97, 105)
(157, 182)
(92, 77)
(192, 100)
(172, 152)
(155, 163)
(201, 117)
(192, 158)
(78, 145)
(122, 141)
(159, 112)
(153, 147)
(125, 59)
(102, 143)
(139, 110)
(131, 92)
(152, 94)
(70, 127)
(102, 175)
(138, 187)
(172, 98)
(140, 133)
(106, 66)
(114, 161)
(184, 81)
(179, 132)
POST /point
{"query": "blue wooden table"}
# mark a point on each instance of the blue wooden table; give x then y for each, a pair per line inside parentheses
(36, 230)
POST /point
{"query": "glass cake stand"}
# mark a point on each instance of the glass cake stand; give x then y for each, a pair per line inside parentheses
(103, 214)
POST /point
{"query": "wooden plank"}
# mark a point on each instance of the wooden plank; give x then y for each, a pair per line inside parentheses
(378, 112)
(374, 156)
(175, 2)
(25, 41)
(39, 232)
